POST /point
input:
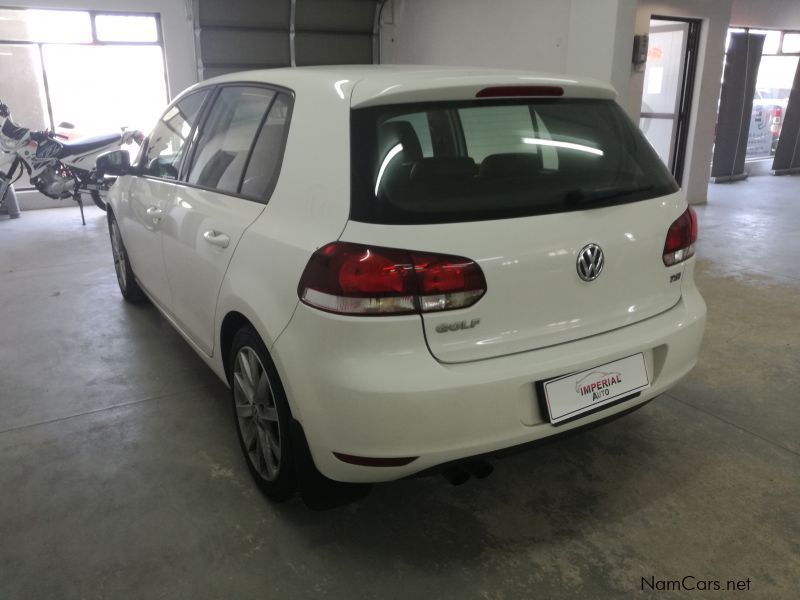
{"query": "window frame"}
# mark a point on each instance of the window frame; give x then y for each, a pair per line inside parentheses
(40, 45)
(93, 13)
(186, 162)
(737, 29)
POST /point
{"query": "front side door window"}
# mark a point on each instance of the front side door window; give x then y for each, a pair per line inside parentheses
(168, 142)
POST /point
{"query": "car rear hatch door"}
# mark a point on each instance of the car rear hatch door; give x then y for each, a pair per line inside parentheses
(522, 187)
(535, 296)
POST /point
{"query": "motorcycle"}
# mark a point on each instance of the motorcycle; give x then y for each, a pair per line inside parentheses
(58, 168)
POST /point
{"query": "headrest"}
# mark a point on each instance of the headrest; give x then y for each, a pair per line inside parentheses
(446, 167)
(392, 133)
(512, 164)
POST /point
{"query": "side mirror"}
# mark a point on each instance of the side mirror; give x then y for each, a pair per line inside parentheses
(66, 125)
(115, 163)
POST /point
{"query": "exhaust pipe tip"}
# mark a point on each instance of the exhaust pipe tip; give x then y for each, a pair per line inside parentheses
(460, 474)
(480, 469)
(456, 475)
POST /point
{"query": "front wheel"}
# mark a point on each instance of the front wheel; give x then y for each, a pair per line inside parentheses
(127, 281)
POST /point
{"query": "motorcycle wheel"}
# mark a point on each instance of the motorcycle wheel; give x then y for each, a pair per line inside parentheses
(98, 200)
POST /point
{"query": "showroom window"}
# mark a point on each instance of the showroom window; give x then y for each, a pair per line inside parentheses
(774, 81)
(99, 71)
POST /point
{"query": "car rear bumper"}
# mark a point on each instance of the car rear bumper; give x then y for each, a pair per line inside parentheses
(377, 392)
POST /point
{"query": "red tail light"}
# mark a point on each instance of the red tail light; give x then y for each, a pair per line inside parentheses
(776, 121)
(681, 237)
(354, 279)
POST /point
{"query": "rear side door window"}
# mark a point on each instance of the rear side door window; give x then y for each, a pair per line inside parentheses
(224, 145)
(265, 160)
(168, 142)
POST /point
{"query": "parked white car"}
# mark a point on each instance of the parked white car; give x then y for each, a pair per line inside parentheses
(406, 269)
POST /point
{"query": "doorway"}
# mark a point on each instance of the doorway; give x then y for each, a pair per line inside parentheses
(669, 87)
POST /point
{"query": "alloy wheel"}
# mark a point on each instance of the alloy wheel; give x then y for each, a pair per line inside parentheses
(257, 414)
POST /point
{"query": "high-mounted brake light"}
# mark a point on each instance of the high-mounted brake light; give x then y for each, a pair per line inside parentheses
(520, 91)
(681, 238)
(354, 279)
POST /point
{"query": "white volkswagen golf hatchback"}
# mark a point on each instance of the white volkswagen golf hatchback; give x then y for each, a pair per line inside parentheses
(401, 270)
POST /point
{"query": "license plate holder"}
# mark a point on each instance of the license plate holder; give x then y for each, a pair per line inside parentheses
(574, 394)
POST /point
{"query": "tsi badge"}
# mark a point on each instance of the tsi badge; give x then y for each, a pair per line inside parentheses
(457, 326)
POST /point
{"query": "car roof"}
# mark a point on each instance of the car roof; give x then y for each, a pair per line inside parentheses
(369, 85)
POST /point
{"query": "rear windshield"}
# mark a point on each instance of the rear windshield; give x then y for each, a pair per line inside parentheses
(467, 161)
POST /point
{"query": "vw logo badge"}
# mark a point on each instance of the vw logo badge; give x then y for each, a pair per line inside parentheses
(590, 262)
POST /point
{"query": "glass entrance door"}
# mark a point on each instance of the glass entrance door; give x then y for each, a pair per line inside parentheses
(668, 88)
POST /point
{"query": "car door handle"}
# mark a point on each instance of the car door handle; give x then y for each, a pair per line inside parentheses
(217, 238)
(154, 213)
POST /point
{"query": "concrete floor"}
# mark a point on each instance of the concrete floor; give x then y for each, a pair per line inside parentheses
(120, 474)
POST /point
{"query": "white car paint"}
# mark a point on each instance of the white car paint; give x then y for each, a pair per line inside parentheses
(390, 386)
(142, 233)
(522, 311)
(200, 232)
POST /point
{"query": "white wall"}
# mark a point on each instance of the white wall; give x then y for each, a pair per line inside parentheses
(590, 38)
(522, 34)
(600, 42)
(767, 14)
(176, 23)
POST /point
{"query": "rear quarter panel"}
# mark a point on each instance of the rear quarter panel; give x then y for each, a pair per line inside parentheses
(308, 208)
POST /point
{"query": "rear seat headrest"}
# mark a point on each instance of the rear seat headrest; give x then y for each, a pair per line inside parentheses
(399, 132)
(512, 164)
(446, 167)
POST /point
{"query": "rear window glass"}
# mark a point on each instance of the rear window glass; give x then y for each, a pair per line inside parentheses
(468, 161)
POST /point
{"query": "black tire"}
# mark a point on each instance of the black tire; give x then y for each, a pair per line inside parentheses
(262, 416)
(128, 285)
(98, 200)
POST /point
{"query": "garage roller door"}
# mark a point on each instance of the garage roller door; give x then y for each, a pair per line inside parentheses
(235, 35)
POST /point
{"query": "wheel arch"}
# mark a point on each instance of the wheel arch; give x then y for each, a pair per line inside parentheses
(238, 315)
(232, 323)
